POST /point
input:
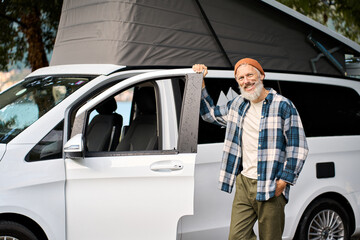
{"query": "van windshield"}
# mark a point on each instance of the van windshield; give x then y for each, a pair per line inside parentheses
(25, 102)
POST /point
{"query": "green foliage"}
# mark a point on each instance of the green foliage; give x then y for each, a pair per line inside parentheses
(14, 43)
(343, 14)
(347, 19)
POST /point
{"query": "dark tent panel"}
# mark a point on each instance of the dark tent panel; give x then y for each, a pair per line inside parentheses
(250, 28)
(181, 33)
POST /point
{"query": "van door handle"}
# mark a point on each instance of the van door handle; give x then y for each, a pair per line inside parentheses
(167, 166)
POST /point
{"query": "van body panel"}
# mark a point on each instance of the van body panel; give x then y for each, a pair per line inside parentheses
(33, 190)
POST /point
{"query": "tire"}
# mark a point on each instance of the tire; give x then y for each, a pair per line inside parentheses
(325, 219)
(14, 231)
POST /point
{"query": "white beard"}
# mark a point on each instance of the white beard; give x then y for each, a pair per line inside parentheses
(255, 94)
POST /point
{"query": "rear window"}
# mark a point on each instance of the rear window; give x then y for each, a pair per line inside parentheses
(325, 110)
(24, 103)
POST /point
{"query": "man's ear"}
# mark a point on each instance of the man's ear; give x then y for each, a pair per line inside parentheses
(262, 77)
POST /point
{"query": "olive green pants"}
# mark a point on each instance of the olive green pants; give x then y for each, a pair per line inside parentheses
(246, 210)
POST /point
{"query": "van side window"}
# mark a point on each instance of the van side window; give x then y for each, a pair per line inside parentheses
(50, 147)
(125, 122)
(222, 90)
(325, 110)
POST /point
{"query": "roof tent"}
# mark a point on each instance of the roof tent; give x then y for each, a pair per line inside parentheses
(180, 33)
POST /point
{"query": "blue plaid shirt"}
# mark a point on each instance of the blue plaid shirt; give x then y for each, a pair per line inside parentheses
(282, 143)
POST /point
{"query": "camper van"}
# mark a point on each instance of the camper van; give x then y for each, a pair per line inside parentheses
(103, 151)
(107, 142)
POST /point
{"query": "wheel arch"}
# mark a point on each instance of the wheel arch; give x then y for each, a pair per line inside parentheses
(27, 222)
(338, 198)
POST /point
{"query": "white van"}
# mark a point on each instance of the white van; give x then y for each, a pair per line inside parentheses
(108, 152)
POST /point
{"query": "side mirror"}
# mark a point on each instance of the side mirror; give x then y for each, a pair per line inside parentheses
(74, 148)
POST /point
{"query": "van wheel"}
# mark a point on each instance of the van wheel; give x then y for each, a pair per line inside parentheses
(324, 219)
(14, 231)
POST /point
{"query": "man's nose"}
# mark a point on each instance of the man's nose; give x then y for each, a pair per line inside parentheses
(247, 79)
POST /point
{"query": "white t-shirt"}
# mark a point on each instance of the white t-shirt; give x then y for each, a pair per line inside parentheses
(250, 139)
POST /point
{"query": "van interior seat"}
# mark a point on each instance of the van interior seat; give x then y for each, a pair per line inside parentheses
(142, 132)
(104, 130)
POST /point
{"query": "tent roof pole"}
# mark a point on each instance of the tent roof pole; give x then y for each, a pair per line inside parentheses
(214, 33)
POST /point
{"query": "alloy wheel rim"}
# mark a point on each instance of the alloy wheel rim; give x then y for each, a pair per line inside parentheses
(326, 225)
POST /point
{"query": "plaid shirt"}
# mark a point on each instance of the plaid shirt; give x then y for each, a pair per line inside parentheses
(282, 146)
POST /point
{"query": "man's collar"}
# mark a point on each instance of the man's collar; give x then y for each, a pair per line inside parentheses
(270, 95)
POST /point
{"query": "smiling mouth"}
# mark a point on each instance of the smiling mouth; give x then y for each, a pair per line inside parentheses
(249, 87)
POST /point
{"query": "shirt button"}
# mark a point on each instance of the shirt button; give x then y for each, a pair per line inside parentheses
(259, 145)
(264, 103)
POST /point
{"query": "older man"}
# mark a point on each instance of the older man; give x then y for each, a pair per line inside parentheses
(264, 150)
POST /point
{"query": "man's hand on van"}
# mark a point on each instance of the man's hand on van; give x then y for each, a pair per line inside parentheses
(200, 68)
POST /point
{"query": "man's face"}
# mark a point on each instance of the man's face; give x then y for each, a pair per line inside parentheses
(250, 82)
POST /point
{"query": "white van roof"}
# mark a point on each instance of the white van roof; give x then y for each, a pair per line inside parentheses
(80, 69)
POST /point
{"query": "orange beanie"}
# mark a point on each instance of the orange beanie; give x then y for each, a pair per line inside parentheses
(251, 62)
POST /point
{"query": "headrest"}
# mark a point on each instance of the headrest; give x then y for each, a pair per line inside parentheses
(145, 100)
(107, 107)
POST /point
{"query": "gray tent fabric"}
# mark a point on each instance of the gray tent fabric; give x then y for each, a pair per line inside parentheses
(133, 33)
(181, 33)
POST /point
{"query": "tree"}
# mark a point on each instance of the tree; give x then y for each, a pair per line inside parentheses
(28, 30)
(343, 14)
